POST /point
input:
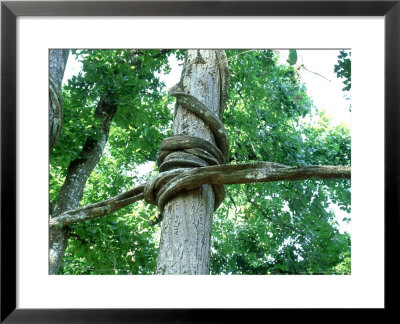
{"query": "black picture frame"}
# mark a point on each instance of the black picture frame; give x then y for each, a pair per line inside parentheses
(10, 10)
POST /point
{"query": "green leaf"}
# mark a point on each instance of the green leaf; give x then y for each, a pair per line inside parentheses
(292, 59)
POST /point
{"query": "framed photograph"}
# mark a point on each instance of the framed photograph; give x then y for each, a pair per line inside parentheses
(100, 68)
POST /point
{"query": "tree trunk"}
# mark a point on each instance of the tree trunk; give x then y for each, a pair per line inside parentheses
(78, 172)
(57, 62)
(187, 218)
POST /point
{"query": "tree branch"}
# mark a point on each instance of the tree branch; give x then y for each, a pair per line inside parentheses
(192, 178)
(99, 209)
(248, 173)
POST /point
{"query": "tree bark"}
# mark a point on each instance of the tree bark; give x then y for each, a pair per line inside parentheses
(187, 218)
(78, 172)
(57, 62)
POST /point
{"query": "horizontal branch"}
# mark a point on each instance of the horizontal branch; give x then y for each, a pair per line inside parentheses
(192, 178)
(99, 209)
(248, 173)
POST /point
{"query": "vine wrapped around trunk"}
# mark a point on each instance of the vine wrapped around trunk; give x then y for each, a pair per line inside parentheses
(193, 171)
(186, 179)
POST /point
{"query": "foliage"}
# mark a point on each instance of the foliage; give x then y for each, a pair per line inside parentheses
(343, 68)
(292, 59)
(286, 227)
(273, 228)
(142, 121)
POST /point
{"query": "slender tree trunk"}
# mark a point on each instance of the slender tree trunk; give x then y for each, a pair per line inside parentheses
(187, 218)
(78, 172)
(57, 62)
